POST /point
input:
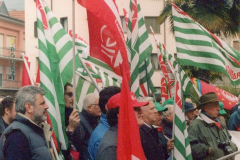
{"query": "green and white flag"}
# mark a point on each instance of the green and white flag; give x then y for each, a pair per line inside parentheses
(198, 47)
(55, 60)
(139, 48)
(84, 86)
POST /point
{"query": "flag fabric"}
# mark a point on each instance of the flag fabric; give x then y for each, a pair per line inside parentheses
(25, 77)
(169, 67)
(128, 141)
(84, 86)
(55, 61)
(225, 97)
(139, 48)
(182, 150)
(164, 88)
(198, 47)
(125, 16)
(106, 37)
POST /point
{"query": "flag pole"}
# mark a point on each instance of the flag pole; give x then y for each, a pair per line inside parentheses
(74, 63)
(89, 74)
(147, 77)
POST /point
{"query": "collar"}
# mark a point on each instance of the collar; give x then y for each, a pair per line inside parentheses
(154, 126)
(147, 125)
(206, 119)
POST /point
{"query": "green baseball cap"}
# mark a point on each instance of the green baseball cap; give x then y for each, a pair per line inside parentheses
(168, 101)
(159, 107)
(222, 110)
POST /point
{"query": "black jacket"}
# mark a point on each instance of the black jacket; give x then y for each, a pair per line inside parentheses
(82, 133)
(151, 147)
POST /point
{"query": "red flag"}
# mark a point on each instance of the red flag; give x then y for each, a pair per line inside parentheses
(37, 82)
(125, 16)
(25, 77)
(226, 98)
(129, 145)
(107, 41)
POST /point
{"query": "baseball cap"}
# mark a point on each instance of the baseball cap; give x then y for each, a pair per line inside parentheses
(115, 101)
(159, 107)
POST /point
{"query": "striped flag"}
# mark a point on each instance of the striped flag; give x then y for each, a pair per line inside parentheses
(55, 59)
(198, 47)
(139, 48)
(182, 150)
(84, 86)
(169, 67)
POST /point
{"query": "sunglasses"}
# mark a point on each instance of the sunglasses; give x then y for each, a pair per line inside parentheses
(70, 94)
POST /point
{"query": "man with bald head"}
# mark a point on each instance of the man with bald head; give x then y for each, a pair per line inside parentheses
(89, 121)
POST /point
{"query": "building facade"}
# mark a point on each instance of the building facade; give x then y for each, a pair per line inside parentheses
(12, 44)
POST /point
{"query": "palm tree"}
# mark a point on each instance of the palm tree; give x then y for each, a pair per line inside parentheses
(221, 17)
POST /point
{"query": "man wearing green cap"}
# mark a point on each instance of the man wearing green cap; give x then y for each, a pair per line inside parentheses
(208, 137)
(166, 144)
(222, 112)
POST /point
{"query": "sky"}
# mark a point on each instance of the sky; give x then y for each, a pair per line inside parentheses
(14, 4)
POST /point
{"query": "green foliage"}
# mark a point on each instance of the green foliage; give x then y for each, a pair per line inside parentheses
(218, 16)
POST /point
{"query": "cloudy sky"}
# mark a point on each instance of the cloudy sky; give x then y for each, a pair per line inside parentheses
(14, 4)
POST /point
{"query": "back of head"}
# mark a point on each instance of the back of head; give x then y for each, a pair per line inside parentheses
(7, 102)
(105, 95)
(112, 116)
(169, 110)
(27, 94)
(89, 100)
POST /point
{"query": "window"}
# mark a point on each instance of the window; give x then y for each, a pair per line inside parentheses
(11, 42)
(155, 62)
(123, 24)
(64, 22)
(35, 29)
(152, 21)
(9, 74)
(1, 44)
(1, 75)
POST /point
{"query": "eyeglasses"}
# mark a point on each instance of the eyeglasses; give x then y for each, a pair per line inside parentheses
(95, 104)
(70, 94)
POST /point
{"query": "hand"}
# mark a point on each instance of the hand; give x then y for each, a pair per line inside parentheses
(209, 150)
(74, 120)
(170, 144)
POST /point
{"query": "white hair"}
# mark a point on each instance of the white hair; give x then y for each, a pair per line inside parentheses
(89, 99)
(169, 111)
(144, 99)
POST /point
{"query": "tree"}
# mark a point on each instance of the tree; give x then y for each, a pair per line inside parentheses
(221, 17)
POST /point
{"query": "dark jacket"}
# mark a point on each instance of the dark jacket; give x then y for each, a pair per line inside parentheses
(234, 108)
(3, 126)
(107, 149)
(83, 132)
(35, 136)
(234, 121)
(151, 147)
(203, 133)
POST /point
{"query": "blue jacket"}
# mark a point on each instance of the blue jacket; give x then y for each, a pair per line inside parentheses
(234, 121)
(97, 136)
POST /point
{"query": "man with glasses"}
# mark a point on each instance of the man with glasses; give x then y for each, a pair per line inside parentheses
(72, 119)
(89, 121)
(7, 112)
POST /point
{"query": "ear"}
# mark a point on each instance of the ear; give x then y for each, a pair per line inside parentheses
(6, 111)
(106, 107)
(89, 108)
(28, 107)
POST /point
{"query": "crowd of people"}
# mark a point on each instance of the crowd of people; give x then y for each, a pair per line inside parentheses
(93, 132)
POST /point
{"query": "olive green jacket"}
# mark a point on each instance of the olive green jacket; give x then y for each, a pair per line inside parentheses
(203, 133)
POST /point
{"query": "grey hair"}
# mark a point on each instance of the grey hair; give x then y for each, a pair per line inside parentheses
(27, 94)
(144, 99)
(169, 111)
(239, 96)
(89, 99)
